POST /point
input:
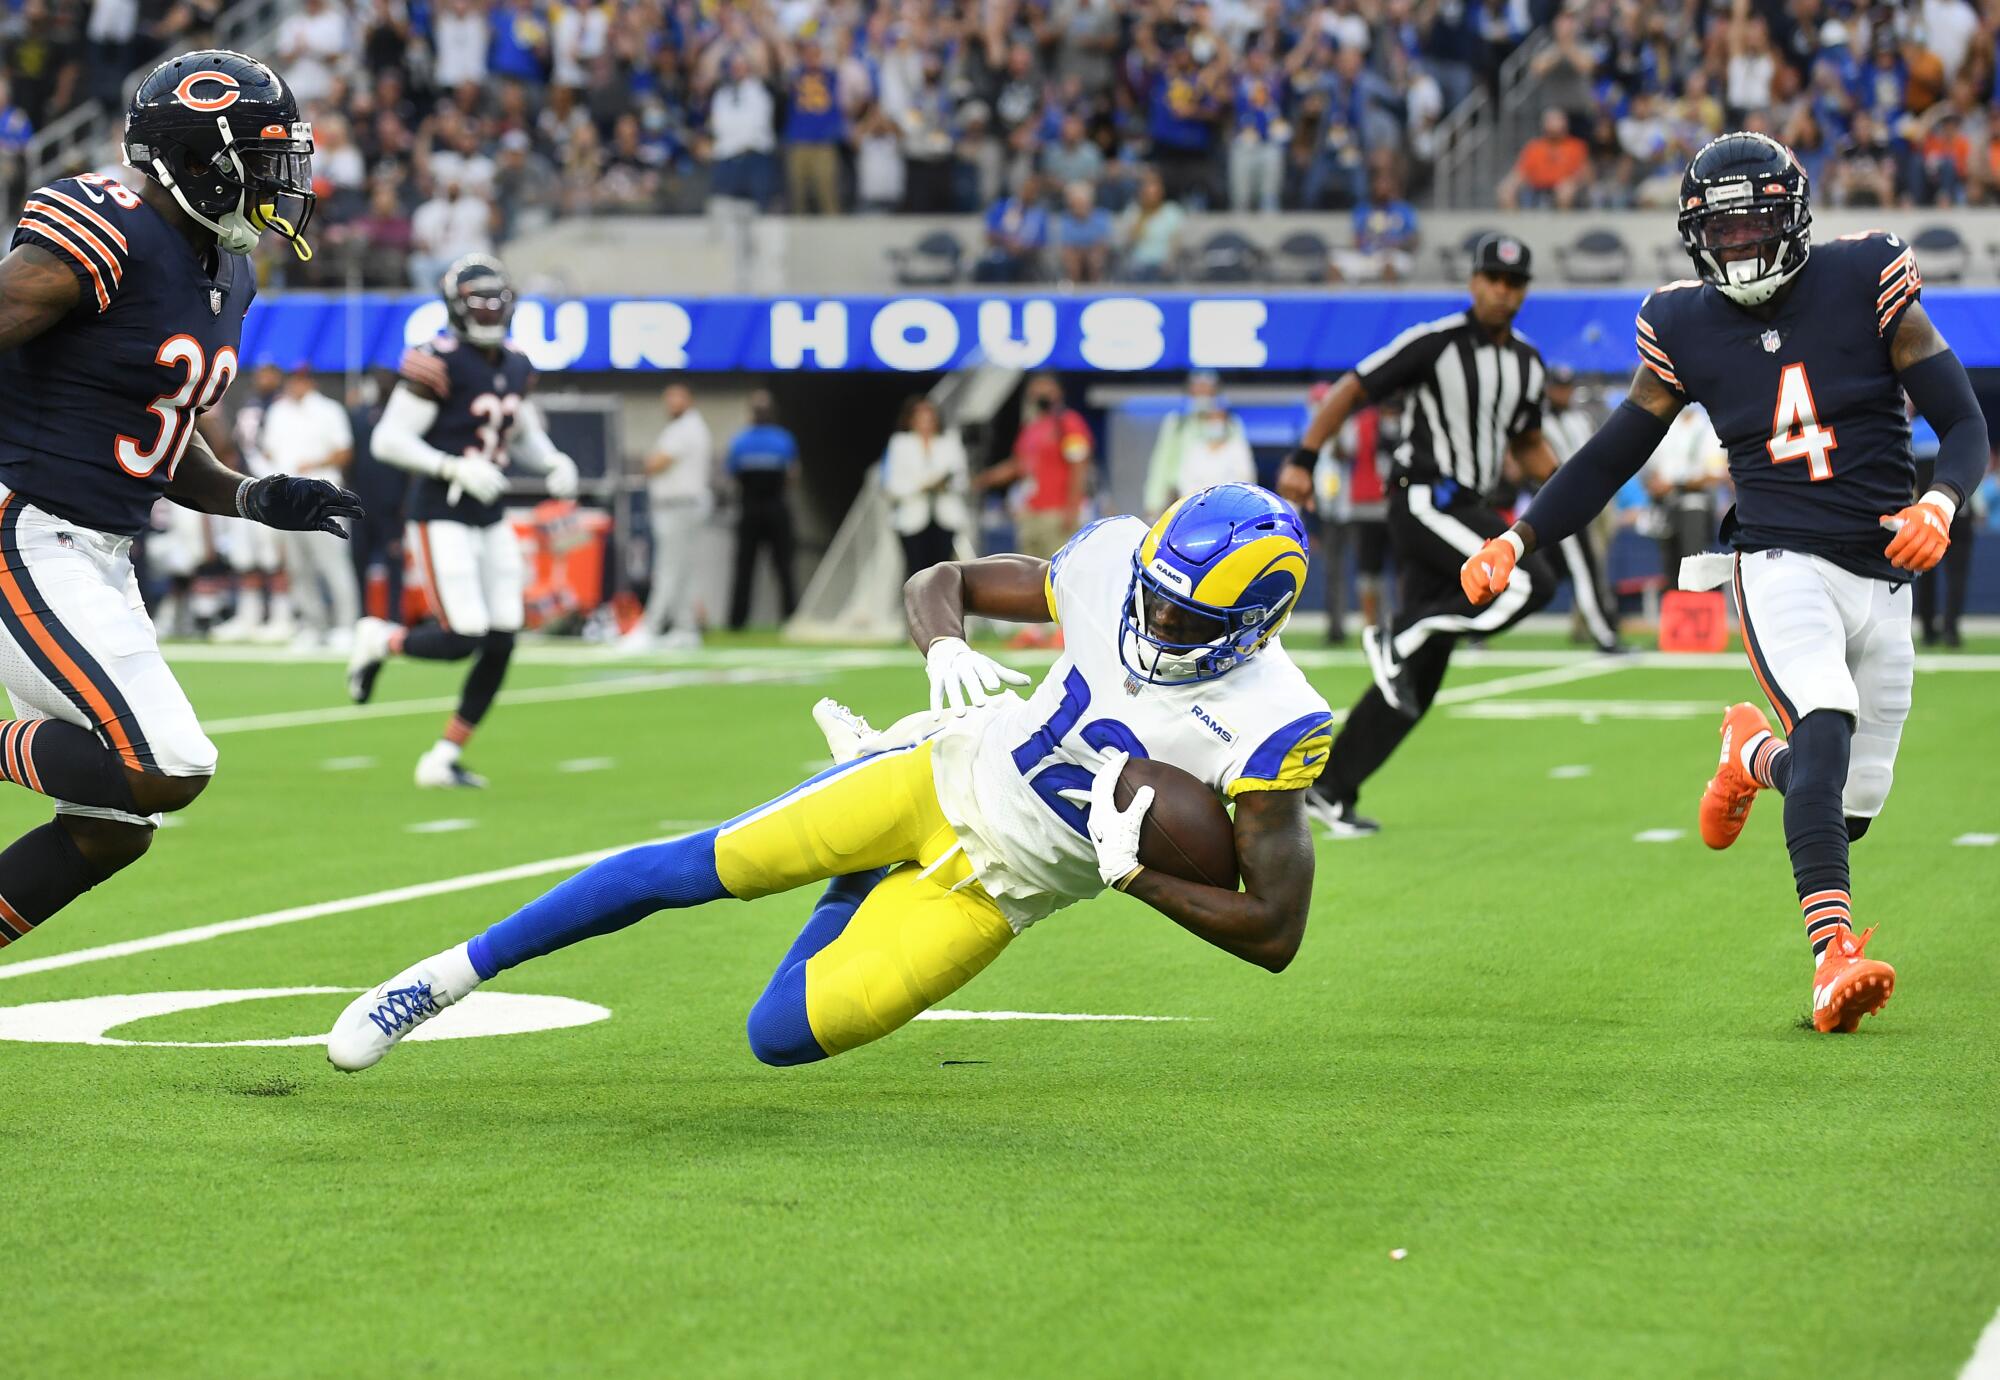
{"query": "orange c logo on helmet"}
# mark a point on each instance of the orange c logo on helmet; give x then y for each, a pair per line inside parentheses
(230, 94)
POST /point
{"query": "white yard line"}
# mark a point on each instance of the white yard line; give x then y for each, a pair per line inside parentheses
(534, 694)
(1985, 1362)
(293, 915)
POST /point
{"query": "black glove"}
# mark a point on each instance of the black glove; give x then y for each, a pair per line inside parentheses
(292, 504)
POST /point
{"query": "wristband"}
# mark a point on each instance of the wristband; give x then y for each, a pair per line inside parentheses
(243, 498)
(1126, 880)
(1938, 498)
(1513, 539)
(1303, 456)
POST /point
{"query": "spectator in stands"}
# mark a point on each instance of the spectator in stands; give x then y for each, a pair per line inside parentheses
(1202, 444)
(679, 499)
(1017, 231)
(1149, 234)
(763, 462)
(1083, 235)
(519, 49)
(1050, 464)
(1181, 111)
(925, 476)
(459, 43)
(1385, 233)
(880, 180)
(1553, 167)
(1567, 69)
(450, 224)
(814, 128)
(1074, 157)
(579, 34)
(1257, 151)
(1864, 174)
(312, 46)
(382, 236)
(16, 129)
(742, 126)
(112, 30)
(1753, 64)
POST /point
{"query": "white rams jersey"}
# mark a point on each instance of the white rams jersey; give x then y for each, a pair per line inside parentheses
(1001, 772)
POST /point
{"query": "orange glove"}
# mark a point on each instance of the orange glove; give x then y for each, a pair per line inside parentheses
(1923, 533)
(1488, 572)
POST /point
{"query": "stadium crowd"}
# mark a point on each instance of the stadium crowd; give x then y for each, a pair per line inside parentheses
(1885, 105)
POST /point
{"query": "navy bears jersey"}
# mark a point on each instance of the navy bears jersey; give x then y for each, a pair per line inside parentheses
(479, 396)
(96, 413)
(1807, 402)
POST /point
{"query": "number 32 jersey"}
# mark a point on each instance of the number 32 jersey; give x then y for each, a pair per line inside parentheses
(96, 413)
(1001, 773)
(1807, 402)
(479, 394)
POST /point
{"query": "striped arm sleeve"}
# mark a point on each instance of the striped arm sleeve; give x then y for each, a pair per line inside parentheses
(1900, 284)
(87, 242)
(1653, 354)
(422, 367)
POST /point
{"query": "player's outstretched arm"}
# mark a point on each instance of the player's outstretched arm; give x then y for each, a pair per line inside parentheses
(1014, 589)
(1264, 922)
(1578, 491)
(36, 291)
(1937, 383)
(285, 501)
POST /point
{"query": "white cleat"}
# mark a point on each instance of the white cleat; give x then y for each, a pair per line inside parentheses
(844, 729)
(365, 656)
(377, 1021)
(438, 772)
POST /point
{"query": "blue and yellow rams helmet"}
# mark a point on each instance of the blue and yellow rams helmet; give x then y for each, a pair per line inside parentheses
(1212, 583)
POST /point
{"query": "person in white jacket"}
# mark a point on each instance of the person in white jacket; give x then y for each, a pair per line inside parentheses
(1202, 445)
(925, 475)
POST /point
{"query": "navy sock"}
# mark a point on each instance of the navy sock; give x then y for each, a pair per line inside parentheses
(41, 872)
(430, 641)
(1815, 823)
(779, 1029)
(605, 896)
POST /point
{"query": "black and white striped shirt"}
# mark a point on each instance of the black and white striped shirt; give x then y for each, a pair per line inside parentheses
(1468, 398)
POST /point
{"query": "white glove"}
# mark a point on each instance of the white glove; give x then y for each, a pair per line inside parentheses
(1115, 832)
(479, 478)
(561, 479)
(963, 679)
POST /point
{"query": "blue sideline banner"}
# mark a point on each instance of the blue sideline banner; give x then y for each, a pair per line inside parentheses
(1114, 332)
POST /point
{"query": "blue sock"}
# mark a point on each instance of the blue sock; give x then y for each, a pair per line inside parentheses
(605, 896)
(780, 1032)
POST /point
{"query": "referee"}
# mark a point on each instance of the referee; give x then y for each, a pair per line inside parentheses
(1475, 402)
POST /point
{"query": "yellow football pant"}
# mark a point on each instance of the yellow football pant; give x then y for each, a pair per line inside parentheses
(919, 936)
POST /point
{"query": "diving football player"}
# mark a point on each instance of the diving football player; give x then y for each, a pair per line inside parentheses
(951, 833)
(1801, 354)
(121, 313)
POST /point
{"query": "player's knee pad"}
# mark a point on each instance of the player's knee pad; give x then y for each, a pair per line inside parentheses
(780, 1032)
(108, 845)
(1867, 792)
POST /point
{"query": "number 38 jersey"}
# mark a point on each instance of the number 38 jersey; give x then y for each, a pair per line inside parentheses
(1807, 402)
(479, 394)
(1001, 773)
(96, 413)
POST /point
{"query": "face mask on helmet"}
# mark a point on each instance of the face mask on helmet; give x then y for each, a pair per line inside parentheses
(1168, 639)
(483, 309)
(1751, 252)
(248, 187)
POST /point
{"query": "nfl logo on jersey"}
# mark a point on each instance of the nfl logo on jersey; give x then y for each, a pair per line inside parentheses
(1770, 339)
(215, 301)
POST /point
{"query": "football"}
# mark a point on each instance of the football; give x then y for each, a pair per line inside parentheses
(1187, 833)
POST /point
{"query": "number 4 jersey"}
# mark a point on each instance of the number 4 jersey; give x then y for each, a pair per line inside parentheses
(96, 413)
(1807, 402)
(478, 394)
(1003, 773)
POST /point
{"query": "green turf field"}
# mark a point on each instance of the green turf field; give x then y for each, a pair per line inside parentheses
(1562, 1068)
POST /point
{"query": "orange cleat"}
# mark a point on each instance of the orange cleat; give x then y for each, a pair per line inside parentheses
(1847, 986)
(1725, 805)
